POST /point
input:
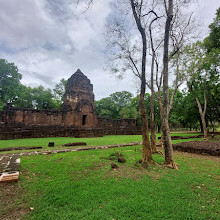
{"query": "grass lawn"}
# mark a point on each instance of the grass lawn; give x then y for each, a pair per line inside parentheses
(59, 141)
(81, 185)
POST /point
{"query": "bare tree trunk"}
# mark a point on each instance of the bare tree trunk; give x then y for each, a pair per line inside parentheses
(147, 155)
(169, 159)
(152, 128)
(159, 83)
(201, 112)
(202, 115)
(161, 114)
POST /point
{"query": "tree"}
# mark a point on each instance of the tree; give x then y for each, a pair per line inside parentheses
(59, 90)
(201, 70)
(117, 105)
(212, 44)
(35, 98)
(106, 108)
(193, 63)
(212, 41)
(128, 42)
(24, 98)
(137, 13)
(43, 98)
(152, 118)
(9, 82)
(169, 159)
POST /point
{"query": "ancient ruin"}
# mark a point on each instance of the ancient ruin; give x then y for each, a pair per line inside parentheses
(76, 119)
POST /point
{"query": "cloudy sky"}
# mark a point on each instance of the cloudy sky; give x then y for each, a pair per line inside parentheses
(50, 39)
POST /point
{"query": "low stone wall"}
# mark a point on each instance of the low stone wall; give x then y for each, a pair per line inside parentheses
(117, 123)
(119, 126)
(7, 133)
(199, 147)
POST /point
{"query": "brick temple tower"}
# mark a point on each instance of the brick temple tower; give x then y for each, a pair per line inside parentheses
(79, 97)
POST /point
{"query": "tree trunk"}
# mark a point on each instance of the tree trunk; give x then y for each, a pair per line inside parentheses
(158, 129)
(152, 123)
(202, 115)
(169, 159)
(201, 126)
(161, 114)
(147, 155)
(152, 129)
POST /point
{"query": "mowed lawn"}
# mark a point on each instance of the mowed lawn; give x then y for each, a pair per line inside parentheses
(82, 185)
(59, 141)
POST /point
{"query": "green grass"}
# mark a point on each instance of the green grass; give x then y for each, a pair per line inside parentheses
(43, 142)
(81, 185)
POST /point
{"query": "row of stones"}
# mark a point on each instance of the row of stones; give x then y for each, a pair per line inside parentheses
(78, 149)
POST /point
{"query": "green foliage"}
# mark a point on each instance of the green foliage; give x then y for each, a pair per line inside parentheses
(212, 41)
(184, 113)
(11, 90)
(42, 98)
(35, 98)
(9, 82)
(106, 108)
(121, 99)
(201, 62)
(212, 44)
(24, 98)
(59, 91)
(117, 105)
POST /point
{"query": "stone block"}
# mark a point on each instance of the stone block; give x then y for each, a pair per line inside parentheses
(51, 144)
(9, 176)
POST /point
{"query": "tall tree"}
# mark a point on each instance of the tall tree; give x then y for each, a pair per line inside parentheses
(153, 58)
(59, 90)
(117, 105)
(9, 82)
(202, 73)
(137, 13)
(212, 41)
(169, 159)
(212, 44)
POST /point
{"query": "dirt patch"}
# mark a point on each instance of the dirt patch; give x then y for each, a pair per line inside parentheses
(126, 171)
(11, 205)
(88, 171)
(192, 155)
(199, 147)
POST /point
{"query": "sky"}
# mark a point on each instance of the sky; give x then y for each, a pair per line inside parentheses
(50, 39)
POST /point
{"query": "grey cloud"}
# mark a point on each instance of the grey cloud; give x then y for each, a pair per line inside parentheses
(25, 24)
(39, 77)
